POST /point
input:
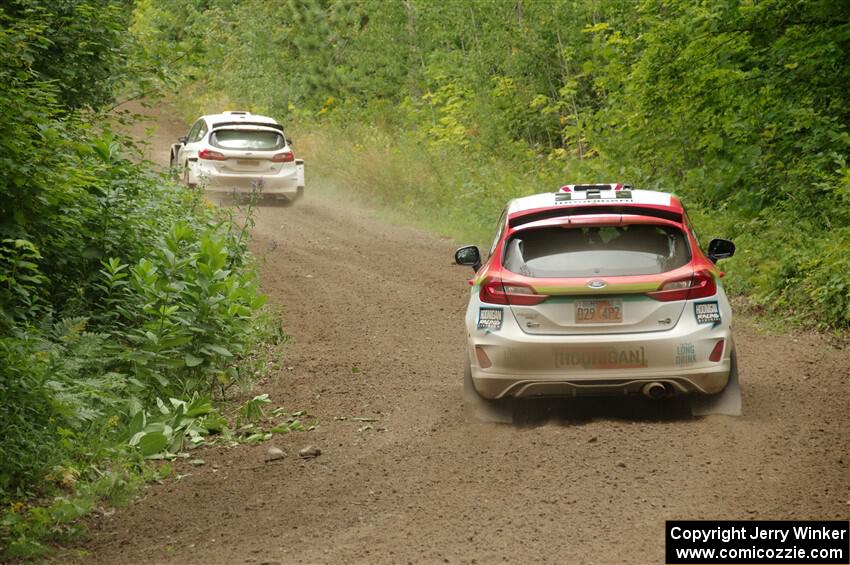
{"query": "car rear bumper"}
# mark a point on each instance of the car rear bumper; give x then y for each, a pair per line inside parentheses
(268, 184)
(287, 183)
(500, 385)
(510, 362)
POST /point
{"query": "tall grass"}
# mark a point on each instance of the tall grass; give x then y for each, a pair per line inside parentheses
(443, 188)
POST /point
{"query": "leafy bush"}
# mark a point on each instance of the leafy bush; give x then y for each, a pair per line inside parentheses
(165, 434)
(175, 322)
(185, 310)
(117, 287)
(85, 35)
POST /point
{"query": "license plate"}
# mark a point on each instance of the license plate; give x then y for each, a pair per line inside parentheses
(247, 162)
(608, 311)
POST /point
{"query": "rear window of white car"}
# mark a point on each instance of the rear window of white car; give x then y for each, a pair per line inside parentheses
(260, 140)
(588, 251)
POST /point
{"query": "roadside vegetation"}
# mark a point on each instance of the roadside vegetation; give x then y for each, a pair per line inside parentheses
(127, 305)
(444, 110)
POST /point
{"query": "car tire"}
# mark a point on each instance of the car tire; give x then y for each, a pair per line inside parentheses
(186, 179)
(727, 402)
(484, 409)
(172, 167)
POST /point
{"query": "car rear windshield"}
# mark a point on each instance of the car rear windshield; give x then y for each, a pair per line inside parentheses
(637, 249)
(260, 140)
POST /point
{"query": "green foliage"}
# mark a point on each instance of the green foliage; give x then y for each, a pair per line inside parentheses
(190, 312)
(74, 45)
(252, 410)
(451, 191)
(27, 529)
(117, 287)
(20, 279)
(164, 434)
(280, 421)
(452, 107)
(176, 319)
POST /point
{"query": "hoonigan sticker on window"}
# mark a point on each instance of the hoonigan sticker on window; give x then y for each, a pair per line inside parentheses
(489, 318)
(602, 358)
(707, 312)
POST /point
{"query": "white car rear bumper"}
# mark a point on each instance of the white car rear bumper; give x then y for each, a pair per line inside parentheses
(287, 183)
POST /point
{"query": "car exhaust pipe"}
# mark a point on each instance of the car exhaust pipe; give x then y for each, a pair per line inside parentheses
(655, 391)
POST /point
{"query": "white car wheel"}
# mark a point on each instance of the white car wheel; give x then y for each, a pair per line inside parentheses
(186, 178)
(480, 408)
(727, 402)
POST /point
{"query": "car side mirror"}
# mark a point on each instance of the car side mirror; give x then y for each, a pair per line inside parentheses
(182, 139)
(720, 249)
(468, 255)
(289, 141)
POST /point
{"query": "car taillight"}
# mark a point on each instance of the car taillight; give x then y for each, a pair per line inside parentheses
(210, 155)
(703, 285)
(492, 292)
(285, 157)
(699, 285)
(496, 292)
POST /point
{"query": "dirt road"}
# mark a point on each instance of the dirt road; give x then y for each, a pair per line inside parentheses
(375, 313)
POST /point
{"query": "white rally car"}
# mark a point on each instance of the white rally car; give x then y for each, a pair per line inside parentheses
(598, 290)
(238, 153)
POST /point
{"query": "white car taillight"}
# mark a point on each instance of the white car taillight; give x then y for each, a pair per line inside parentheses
(285, 157)
(210, 155)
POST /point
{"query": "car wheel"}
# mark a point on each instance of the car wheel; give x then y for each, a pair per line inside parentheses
(726, 402)
(480, 408)
(186, 178)
(172, 167)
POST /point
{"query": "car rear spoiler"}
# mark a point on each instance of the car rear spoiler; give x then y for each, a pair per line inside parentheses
(225, 124)
(547, 214)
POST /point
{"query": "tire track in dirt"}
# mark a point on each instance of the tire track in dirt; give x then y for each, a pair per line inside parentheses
(434, 487)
